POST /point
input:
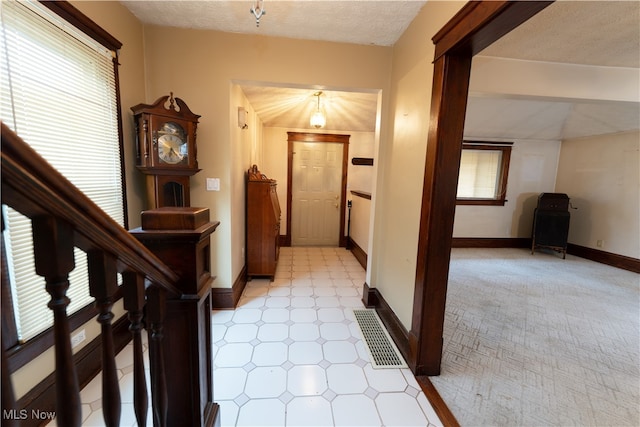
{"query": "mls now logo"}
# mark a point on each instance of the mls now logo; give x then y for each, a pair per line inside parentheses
(14, 414)
(23, 414)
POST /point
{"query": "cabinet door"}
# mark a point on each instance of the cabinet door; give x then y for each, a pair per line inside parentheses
(263, 222)
(551, 228)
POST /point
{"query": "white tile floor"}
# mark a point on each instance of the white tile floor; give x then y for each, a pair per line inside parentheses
(291, 354)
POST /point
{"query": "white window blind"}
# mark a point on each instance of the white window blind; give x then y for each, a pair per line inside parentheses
(479, 174)
(58, 92)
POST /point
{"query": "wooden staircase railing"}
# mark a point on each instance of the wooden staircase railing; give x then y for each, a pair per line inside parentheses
(63, 218)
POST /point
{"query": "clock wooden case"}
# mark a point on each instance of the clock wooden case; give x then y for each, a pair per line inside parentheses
(166, 150)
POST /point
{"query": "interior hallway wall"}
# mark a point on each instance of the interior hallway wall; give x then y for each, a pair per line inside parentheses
(200, 68)
(402, 159)
(245, 147)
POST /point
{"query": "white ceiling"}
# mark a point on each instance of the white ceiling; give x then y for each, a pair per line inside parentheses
(555, 35)
(292, 108)
(376, 22)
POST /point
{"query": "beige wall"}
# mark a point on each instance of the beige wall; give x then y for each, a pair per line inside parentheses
(601, 175)
(243, 145)
(532, 170)
(201, 66)
(402, 157)
(360, 221)
(274, 165)
(361, 144)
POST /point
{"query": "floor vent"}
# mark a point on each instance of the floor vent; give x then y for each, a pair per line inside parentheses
(381, 348)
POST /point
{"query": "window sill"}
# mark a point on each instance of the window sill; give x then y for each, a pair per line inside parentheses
(481, 202)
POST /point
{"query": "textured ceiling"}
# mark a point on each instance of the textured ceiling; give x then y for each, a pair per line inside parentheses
(597, 33)
(563, 32)
(375, 22)
(605, 33)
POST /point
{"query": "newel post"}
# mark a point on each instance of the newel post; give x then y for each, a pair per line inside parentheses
(180, 237)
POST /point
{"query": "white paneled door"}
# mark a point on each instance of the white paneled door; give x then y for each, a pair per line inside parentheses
(315, 190)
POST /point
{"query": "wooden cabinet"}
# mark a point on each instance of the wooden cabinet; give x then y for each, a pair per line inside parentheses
(263, 225)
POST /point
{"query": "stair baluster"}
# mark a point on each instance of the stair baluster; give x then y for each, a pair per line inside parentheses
(103, 284)
(156, 310)
(134, 300)
(53, 254)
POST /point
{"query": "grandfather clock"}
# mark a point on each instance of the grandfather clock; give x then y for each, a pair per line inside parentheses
(166, 150)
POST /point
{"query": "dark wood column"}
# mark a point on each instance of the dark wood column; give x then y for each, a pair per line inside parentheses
(180, 237)
(476, 26)
(436, 225)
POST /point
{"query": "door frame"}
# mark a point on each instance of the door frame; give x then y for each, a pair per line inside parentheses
(474, 27)
(318, 137)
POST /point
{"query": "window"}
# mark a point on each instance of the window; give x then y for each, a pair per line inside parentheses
(484, 168)
(58, 91)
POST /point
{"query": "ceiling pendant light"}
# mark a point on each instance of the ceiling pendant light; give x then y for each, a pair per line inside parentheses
(318, 119)
(258, 10)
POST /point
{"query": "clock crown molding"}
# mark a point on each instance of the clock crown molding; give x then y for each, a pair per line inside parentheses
(158, 108)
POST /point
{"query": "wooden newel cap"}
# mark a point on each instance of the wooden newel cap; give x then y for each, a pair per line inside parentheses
(175, 218)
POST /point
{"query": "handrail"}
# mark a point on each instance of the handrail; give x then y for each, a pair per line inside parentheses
(62, 218)
(33, 187)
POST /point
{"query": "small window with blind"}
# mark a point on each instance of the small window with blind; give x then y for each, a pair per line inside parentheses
(484, 168)
(58, 92)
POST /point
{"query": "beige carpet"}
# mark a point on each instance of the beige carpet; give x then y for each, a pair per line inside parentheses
(534, 340)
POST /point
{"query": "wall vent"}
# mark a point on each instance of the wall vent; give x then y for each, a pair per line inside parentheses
(382, 350)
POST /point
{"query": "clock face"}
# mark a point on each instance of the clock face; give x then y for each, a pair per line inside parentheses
(172, 144)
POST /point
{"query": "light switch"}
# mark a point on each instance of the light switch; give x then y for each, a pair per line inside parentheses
(213, 184)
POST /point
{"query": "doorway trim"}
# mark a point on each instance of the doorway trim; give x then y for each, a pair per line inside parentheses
(474, 27)
(318, 137)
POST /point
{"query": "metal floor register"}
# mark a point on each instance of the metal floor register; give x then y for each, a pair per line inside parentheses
(382, 350)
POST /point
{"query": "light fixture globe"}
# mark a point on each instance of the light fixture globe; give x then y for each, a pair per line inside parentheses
(318, 119)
